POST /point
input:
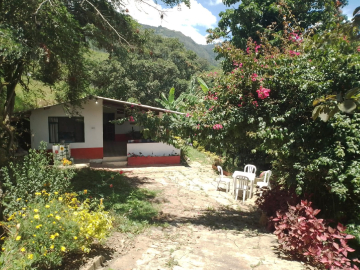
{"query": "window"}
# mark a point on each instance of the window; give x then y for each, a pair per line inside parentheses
(65, 129)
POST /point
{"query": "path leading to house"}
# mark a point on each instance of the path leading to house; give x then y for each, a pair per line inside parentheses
(204, 228)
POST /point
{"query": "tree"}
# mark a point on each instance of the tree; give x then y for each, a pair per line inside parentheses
(252, 16)
(160, 64)
(47, 39)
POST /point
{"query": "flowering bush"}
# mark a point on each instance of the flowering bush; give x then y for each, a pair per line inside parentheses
(300, 233)
(23, 179)
(44, 231)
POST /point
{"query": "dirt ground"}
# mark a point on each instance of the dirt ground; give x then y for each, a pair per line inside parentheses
(204, 228)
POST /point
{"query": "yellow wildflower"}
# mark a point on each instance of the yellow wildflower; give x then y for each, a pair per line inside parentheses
(30, 256)
(63, 248)
(52, 246)
(58, 217)
(36, 210)
(36, 217)
(3, 249)
(47, 206)
(18, 199)
(2, 238)
(56, 234)
(52, 237)
(75, 237)
(37, 193)
(85, 191)
(18, 238)
(38, 226)
(54, 222)
(24, 208)
(22, 249)
(23, 215)
(34, 235)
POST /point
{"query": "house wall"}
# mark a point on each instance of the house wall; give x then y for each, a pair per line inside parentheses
(121, 131)
(152, 149)
(92, 148)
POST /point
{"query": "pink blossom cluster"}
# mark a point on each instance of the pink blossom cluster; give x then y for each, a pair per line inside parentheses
(263, 92)
(358, 49)
(255, 103)
(212, 107)
(293, 53)
(188, 115)
(211, 96)
(254, 76)
(131, 119)
(294, 37)
(248, 50)
(257, 47)
(217, 126)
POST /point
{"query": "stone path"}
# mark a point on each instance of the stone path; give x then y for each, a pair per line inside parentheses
(206, 228)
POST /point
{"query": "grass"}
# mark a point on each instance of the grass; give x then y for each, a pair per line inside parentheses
(195, 155)
(131, 206)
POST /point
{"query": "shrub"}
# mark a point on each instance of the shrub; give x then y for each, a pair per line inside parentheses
(275, 200)
(23, 179)
(40, 234)
(301, 234)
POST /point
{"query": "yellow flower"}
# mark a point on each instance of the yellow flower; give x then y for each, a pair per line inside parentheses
(37, 193)
(2, 238)
(47, 206)
(3, 249)
(62, 149)
(75, 237)
(56, 193)
(24, 208)
(34, 235)
(56, 234)
(58, 217)
(36, 217)
(22, 249)
(60, 199)
(52, 246)
(54, 222)
(85, 191)
(23, 215)
(63, 248)
(101, 201)
(38, 226)
(30, 256)
(18, 238)
(18, 199)
(36, 210)
(52, 236)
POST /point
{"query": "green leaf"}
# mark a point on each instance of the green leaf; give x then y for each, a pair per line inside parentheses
(171, 95)
(316, 111)
(348, 106)
(356, 10)
(352, 92)
(203, 85)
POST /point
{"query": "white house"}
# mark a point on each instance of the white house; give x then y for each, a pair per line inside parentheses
(89, 132)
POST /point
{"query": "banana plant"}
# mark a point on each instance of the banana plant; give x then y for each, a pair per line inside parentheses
(326, 107)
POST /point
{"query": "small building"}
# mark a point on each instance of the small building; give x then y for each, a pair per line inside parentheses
(92, 136)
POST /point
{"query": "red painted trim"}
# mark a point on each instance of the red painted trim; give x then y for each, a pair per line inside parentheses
(136, 161)
(121, 137)
(87, 153)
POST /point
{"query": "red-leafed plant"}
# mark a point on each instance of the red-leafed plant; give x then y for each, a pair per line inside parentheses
(275, 200)
(301, 234)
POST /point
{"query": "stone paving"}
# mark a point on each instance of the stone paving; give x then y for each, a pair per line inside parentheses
(205, 228)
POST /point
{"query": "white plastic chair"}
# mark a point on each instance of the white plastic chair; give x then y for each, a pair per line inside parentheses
(223, 179)
(242, 183)
(250, 168)
(266, 182)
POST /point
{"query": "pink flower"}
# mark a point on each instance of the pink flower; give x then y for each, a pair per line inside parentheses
(257, 48)
(131, 119)
(255, 103)
(121, 172)
(358, 49)
(263, 92)
(56, 152)
(253, 77)
(217, 126)
(188, 115)
(111, 185)
(248, 50)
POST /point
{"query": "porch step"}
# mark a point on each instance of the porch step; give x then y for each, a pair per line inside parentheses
(115, 164)
(114, 159)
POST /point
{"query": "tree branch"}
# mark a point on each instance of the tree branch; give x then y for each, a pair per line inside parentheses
(38, 9)
(117, 33)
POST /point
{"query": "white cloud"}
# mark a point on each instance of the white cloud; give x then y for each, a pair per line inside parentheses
(179, 18)
(215, 2)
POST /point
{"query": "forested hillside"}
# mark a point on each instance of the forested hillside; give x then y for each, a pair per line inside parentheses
(203, 51)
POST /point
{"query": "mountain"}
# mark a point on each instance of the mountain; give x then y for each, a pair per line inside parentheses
(203, 51)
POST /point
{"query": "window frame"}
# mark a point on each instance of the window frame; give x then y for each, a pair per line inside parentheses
(57, 117)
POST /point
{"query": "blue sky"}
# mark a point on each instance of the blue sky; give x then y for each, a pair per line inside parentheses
(192, 22)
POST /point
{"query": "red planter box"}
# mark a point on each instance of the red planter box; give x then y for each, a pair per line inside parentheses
(135, 161)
